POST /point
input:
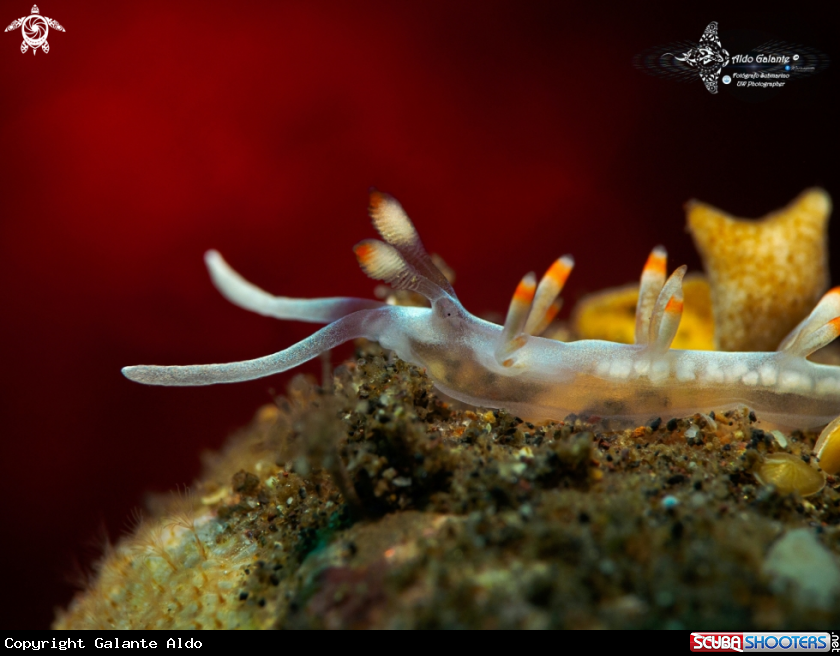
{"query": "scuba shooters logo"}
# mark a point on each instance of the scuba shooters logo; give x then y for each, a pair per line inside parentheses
(771, 64)
(764, 642)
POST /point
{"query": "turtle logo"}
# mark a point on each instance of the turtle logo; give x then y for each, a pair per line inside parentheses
(708, 57)
(35, 29)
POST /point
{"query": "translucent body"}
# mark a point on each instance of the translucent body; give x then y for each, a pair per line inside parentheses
(506, 367)
(551, 379)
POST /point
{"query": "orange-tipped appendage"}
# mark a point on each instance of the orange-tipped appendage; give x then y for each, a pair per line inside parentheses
(560, 270)
(376, 200)
(364, 252)
(656, 262)
(517, 315)
(525, 290)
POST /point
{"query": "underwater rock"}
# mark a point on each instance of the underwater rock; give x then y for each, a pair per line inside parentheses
(463, 518)
(766, 274)
(799, 563)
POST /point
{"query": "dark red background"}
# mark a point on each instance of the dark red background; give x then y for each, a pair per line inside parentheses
(511, 132)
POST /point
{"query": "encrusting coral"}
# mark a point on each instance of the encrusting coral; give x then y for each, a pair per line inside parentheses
(765, 275)
(178, 568)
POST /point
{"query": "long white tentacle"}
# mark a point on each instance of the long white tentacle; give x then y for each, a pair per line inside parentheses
(359, 324)
(250, 297)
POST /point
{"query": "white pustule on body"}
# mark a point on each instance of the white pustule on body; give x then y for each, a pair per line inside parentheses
(685, 371)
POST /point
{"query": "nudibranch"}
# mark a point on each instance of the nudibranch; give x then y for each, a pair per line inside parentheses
(512, 367)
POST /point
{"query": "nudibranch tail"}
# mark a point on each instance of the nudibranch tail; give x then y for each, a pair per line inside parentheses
(250, 297)
(353, 326)
(653, 278)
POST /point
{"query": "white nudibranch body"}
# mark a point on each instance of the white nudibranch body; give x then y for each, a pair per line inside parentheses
(511, 367)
